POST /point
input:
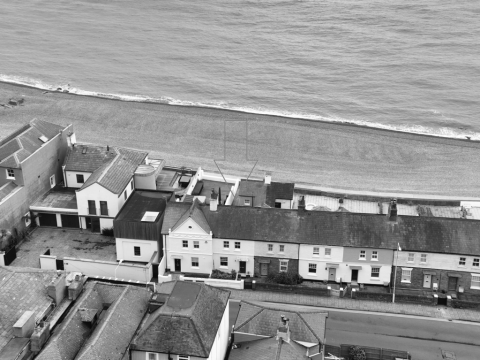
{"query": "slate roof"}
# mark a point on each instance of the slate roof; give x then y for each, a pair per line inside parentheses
(21, 289)
(413, 233)
(7, 189)
(187, 323)
(278, 190)
(173, 213)
(251, 189)
(25, 141)
(111, 169)
(269, 349)
(196, 214)
(110, 339)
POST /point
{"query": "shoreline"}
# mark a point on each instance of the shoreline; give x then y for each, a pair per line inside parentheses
(112, 97)
(322, 153)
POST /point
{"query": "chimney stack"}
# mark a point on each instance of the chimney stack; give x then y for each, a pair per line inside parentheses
(268, 178)
(283, 331)
(213, 201)
(301, 204)
(392, 210)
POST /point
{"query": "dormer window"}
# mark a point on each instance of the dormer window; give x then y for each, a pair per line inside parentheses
(247, 202)
(80, 179)
(11, 174)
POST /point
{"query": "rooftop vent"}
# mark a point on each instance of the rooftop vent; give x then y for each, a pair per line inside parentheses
(43, 138)
(150, 216)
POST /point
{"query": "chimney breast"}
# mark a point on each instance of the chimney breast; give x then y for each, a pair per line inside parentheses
(268, 178)
(392, 211)
(213, 201)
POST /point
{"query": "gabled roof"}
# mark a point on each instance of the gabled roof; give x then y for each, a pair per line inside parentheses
(269, 349)
(25, 141)
(113, 169)
(196, 214)
(187, 323)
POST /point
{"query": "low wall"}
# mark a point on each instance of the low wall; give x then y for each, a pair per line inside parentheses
(231, 284)
(409, 299)
(162, 279)
(463, 304)
(162, 266)
(48, 262)
(296, 289)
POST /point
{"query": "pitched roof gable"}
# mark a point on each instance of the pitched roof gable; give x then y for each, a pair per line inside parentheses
(196, 215)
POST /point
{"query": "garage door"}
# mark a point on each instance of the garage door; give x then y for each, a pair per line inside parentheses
(70, 221)
(48, 219)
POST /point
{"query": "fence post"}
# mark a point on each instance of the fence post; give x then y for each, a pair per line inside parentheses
(2, 258)
(435, 299)
(254, 284)
(354, 294)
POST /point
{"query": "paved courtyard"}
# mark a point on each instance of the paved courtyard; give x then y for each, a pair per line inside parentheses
(64, 242)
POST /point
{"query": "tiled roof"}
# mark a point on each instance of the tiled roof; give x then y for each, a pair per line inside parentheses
(251, 189)
(25, 141)
(21, 289)
(74, 340)
(259, 320)
(88, 158)
(115, 174)
(173, 213)
(269, 349)
(278, 190)
(196, 214)
(7, 189)
(187, 323)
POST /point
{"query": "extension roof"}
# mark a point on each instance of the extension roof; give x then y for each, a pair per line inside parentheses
(112, 169)
(73, 339)
(254, 190)
(278, 190)
(187, 323)
(25, 141)
(413, 233)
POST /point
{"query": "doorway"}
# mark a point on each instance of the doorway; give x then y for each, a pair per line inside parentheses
(242, 267)
(354, 275)
(178, 265)
(452, 283)
(332, 274)
(93, 224)
(427, 281)
(263, 269)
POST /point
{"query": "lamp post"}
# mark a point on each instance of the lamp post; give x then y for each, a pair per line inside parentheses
(395, 278)
(121, 260)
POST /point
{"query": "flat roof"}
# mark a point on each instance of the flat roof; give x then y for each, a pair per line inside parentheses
(142, 201)
(58, 198)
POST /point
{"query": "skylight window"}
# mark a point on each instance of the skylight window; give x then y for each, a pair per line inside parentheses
(150, 216)
(43, 138)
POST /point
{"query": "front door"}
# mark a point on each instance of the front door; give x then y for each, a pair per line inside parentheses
(427, 281)
(264, 269)
(452, 284)
(354, 275)
(93, 224)
(178, 265)
(242, 267)
(331, 274)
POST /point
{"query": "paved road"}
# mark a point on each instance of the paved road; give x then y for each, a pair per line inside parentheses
(424, 338)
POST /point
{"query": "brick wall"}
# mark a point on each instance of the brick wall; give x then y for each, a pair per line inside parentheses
(274, 265)
(400, 298)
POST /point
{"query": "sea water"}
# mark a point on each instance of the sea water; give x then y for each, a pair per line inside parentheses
(399, 64)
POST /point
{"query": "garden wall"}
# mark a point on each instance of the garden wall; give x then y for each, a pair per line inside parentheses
(296, 289)
(401, 298)
(463, 304)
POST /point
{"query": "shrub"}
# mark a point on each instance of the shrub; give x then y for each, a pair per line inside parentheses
(284, 278)
(107, 231)
(218, 274)
(357, 353)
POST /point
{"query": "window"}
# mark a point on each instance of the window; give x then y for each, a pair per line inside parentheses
(52, 181)
(152, 356)
(224, 261)
(80, 179)
(476, 262)
(125, 194)
(237, 244)
(103, 208)
(316, 250)
(131, 185)
(375, 255)
(270, 247)
(10, 174)
(136, 251)
(423, 258)
(362, 255)
(183, 357)
(411, 257)
(406, 275)
(91, 207)
(247, 202)
(185, 243)
(282, 248)
(196, 245)
(462, 261)
(283, 265)
(278, 205)
(328, 252)
(375, 272)
(194, 262)
(312, 268)
(226, 244)
(475, 281)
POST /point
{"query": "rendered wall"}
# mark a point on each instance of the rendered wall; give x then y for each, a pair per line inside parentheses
(321, 260)
(245, 253)
(437, 261)
(125, 250)
(290, 250)
(71, 178)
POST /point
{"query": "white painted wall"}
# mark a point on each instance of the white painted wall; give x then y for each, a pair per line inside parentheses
(219, 347)
(121, 198)
(286, 204)
(125, 250)
(48, 262)
(290, 250)
(321, 260)
(106, 223)
(245, 253)
(71, 178)
(437, 261)
(98, 193)
(364, 275)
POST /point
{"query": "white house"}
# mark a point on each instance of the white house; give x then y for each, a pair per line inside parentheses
(320, 262)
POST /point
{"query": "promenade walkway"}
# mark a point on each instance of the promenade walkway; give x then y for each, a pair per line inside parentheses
(439, 312)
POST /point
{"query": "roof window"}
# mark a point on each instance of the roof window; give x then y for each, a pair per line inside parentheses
(43, 138)
(150, 216)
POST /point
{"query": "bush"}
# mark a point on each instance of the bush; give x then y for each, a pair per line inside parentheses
(285, 278)
(218, 274)
(357, 353)
(107, 231)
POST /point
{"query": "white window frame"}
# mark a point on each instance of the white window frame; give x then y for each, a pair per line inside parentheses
(312, 266)
(423, 258)
(476, 262)
(8, 172)
(52, 181)
(283, 263)
(476, 280)
(183, 244)
(149, 356)
(196, 244)
(461, 260)
(239, 245)
(270, 248)
(227, 243)
(316, 251)
(406, 275)
(328, 252)
(375, 272)
(411, 258)
(183, 357)
(198, 262)
(83, 178)
(363, 255)
(226, 261)
(139, 251)
(281, 248)
(374, 256)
